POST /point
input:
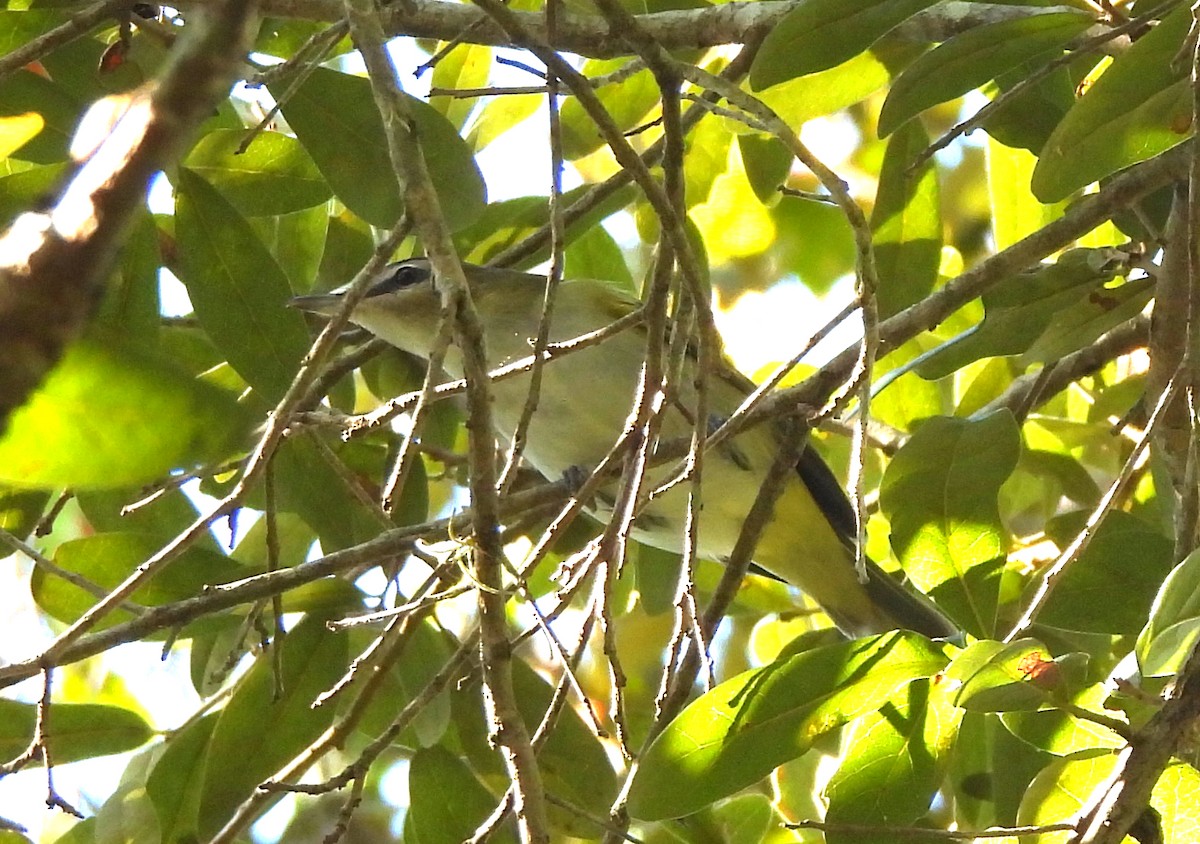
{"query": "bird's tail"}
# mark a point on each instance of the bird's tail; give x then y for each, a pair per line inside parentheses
(908, 610)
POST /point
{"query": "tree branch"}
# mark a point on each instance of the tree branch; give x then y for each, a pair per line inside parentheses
(592, 36)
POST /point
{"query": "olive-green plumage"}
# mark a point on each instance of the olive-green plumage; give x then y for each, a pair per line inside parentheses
(585, 399)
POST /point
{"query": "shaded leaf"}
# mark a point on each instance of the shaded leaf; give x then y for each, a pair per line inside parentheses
(238, 290)
(1020, 311)
(334, 116)
(1139, 107)
(262, 727)
(819, 34)
(574, 763)
(173, 784)
(76, 730)
(970, 59)
(433, 775)
(1112, 585)
(906, 224)
(106, 559)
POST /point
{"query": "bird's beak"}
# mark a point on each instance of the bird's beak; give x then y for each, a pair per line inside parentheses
(321, 303)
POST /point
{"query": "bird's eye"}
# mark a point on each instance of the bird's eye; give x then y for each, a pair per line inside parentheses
(399, 277)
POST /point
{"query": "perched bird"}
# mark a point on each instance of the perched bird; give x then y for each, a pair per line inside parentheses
(584, 402)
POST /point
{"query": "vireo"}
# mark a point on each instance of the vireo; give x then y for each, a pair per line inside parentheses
(584, 403)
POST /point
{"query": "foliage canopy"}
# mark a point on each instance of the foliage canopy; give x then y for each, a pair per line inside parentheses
(1028, 441)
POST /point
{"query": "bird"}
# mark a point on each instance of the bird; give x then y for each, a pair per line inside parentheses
(584, 403)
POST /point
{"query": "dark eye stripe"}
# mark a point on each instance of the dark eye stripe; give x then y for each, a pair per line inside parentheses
(399, 276)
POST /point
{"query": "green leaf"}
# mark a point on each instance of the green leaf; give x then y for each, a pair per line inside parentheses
(21, 509)
(940, 494)
(890, 772)
(21, 189)
(1062, 733)
(799, 100)
(433, 776)
(990, 769)
(993, 676)
(464, 66)
(906, 224)
(237, 289)
(1022, 310)
(737, 733)
(1064, 786)
(275, 175)
(500, 114)
(815, 242)
(1112, 585)
(768, 163)
(76, 731)
(1016, 212)
(334, 115)
(820, 34)
(1027, 119)
(110, 417)
(263, 727)
(574, 763)
(969, 60)
(595, 254)
(18, 27)
(128, 816)
(173, 784)
(1074, 328)
(1140, 107)
(1173, 798)
(1174, 623)
(28, 92)
(503, 224)
(628, 102)
(744, 819)
(106, 559)
(424, 656)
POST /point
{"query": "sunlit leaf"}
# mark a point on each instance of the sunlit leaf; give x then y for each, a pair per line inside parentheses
(1016, 212)
(1063, 733)
(16, 130)
(992, 676)
(1174, 623)
(110, 417)
(737, 733)
(892, 770)
(799, 100)
(1062, 789)
(274, 175)
(940, 495)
